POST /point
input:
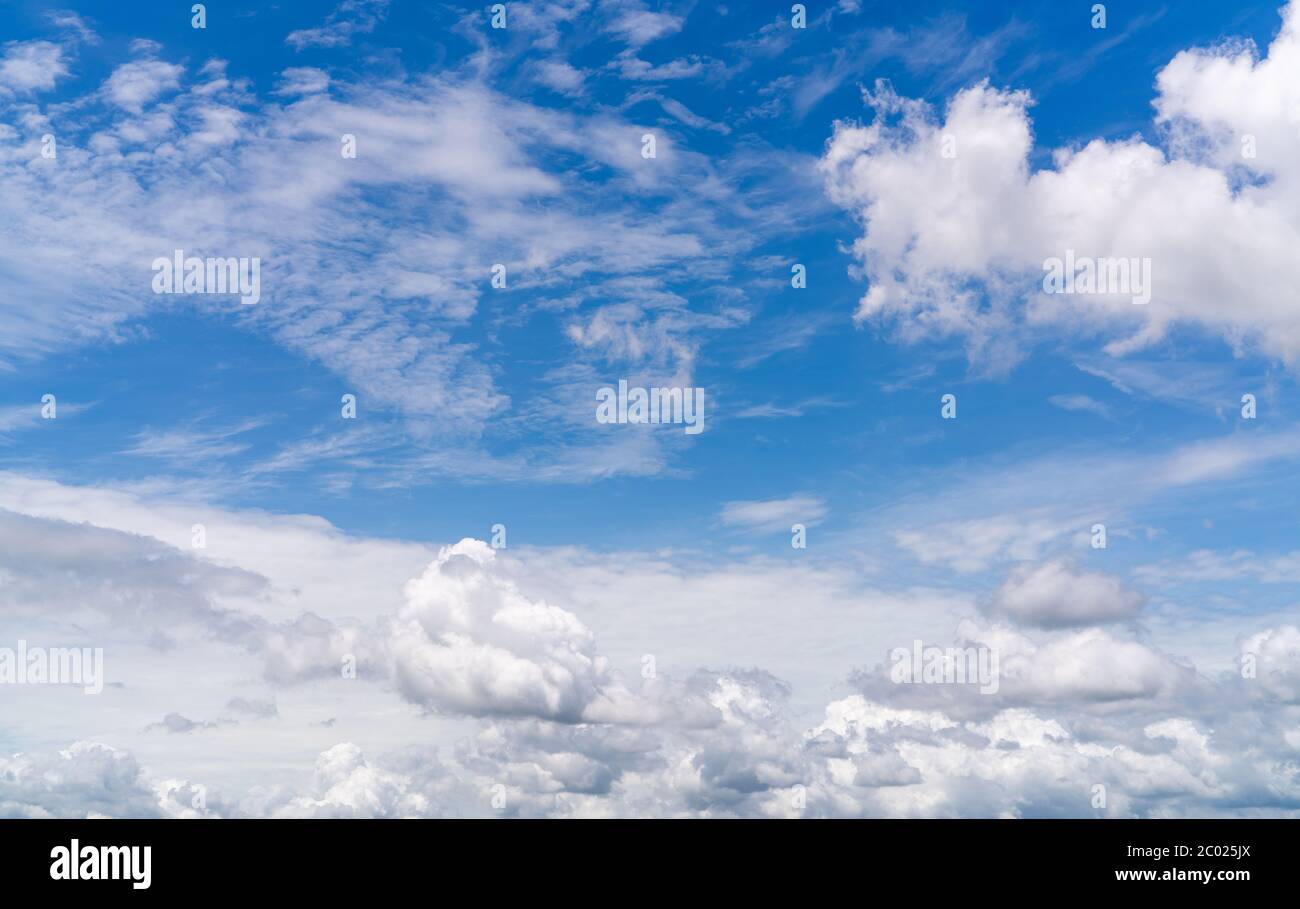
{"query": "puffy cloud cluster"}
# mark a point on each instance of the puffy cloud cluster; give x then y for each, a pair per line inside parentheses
(28, 66)
(965, 257)
(1084, 724)
(85, 780)
(865, 759)
(1073, 670)
(539, 723)
(346, 785)
(469, 641)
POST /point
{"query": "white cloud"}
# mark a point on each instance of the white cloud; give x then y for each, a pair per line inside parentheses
(468, 640)
(190, 444)
(1276, 655)
(560, 76)
(552, 722)
(639, 26)
(347, 20)
(1081, 403)
(74, 25)
(124, 189)
(774, 514)
(1085, 666)
(484, 669)
(1057, 594)
(134, 85)
(628, 65)
(965, 257)
(29, 66)
(348, 786)
(84, 780)
(302, 80)
(1236, 565)
(973, 544)
(1197, 386)
(20, 417)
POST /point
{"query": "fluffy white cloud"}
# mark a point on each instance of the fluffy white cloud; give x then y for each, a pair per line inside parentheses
(865, 758)
(85, 780)
(1057, 593)
(133, 85)
(347, 785)
(1086, 666)
(28, 66)
(468, 640)
(542, 723)
(965, 258)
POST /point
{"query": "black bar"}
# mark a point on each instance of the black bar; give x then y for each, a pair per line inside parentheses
(364, 858)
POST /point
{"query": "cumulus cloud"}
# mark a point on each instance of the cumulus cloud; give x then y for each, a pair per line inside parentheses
(553, 730)
(480, 687)
(347, 785)
(27, 66)
(965, 258)
(1087, 666)
(133, 85)
(311, 647)
(866, 758)
(1057, 594)
(558, 735)
(468, 640)
(1075, 671)
(85, 780)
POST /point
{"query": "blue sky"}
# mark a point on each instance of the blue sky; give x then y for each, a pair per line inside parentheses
(853, 441)
(775, 146)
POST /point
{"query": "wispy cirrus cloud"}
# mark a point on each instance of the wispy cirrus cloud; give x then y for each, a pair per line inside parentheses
(347, 20)
(774, 514)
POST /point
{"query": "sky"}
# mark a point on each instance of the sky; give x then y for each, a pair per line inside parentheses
(364, 547)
